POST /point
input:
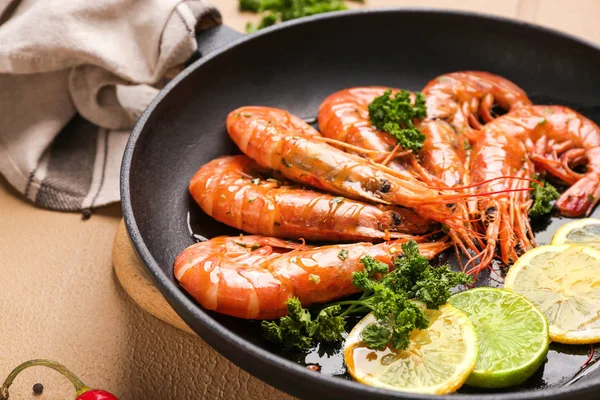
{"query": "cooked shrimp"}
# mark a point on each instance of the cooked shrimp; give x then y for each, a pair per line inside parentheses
(253, 276)
(466, 99)
(238, 192)
(504, 215)
(559, 139)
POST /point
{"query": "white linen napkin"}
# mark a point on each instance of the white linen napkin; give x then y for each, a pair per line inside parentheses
(74, 77)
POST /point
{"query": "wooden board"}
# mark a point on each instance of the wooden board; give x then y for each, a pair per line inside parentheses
(138, 284)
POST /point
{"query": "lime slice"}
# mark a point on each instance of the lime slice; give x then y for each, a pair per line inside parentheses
(513, 336)
(563, 281)
(585, 231)
(438, 360)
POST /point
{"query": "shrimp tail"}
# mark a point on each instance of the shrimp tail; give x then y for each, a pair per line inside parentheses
(581, 198)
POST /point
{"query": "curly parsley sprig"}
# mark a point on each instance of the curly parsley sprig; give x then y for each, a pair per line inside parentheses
(395, 115)
(388, 298)
(543, 197)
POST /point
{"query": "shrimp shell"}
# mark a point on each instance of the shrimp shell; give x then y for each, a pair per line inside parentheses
(253, 276)
(238, 192)
(466, 98)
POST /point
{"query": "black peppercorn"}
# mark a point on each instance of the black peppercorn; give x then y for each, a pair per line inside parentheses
(38, 388)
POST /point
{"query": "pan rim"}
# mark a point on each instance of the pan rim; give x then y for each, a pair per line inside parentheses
(188, 309)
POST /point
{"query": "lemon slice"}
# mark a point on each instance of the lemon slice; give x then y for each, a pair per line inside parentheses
(438, 360)
(585, 231)
(513, 336)
(563, 281)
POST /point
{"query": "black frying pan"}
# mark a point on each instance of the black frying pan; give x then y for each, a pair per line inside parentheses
(295, 66)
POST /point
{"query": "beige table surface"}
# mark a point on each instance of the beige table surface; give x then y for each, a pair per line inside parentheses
(59, 297)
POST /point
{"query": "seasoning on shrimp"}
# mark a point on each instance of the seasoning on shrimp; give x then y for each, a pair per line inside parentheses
(268, 207)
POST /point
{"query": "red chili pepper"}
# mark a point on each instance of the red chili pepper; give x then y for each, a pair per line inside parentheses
(96, 394)
(82, 391)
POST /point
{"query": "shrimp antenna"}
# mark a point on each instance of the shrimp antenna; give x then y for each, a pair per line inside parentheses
(352, 147)
(517, 178)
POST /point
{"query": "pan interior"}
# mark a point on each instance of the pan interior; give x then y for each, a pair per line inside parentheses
(295, 68)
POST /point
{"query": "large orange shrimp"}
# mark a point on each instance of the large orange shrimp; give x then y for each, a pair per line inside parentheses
(238, 192)
(559, 139)
(466, 99)
(504, 215)
(253, 276)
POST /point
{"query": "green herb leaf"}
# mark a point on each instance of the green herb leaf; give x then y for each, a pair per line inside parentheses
(329, 325)
(336, 200)
(543, 197)
(388, 298)
(396, 116)
(292, 330)
(376, 336)
(343, 254)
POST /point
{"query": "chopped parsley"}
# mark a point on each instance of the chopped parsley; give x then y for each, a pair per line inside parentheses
(343, 254)
(396, 115)
(244, 245)
(543, 196)
(275, 11)
(387, 298)
(336, 200)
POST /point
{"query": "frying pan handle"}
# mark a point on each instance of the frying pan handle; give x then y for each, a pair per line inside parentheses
(213, 38)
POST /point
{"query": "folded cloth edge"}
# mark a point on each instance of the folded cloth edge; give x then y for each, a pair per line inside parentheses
(47, 184)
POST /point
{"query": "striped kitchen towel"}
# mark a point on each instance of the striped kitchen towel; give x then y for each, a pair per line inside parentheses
(74, 77)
